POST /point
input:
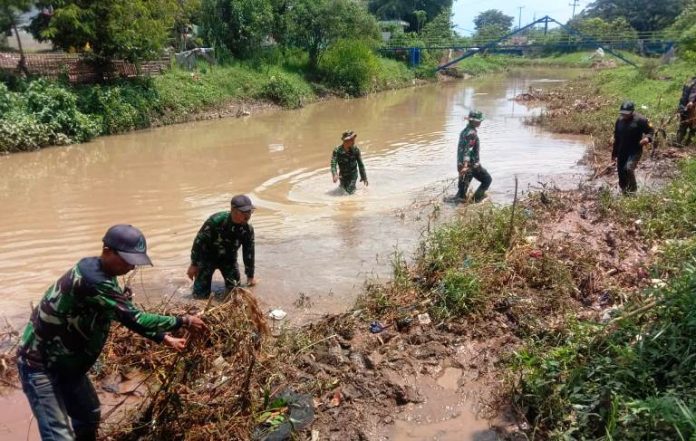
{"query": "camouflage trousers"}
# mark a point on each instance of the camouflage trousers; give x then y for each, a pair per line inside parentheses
(348, 183)
(626, 168)
(204, 279)
(480, 174)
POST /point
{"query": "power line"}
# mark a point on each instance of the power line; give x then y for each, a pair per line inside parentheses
(519, 24)
(575, 4)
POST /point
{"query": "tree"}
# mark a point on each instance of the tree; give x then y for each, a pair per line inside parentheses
(600, 29)
(237, 27)
(642, 15)
(133, 30)
(314, 24)
(408, 10)
(9, 15)
(440, 29)
(492, 24)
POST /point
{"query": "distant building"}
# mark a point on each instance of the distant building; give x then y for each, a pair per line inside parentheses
(387, 27)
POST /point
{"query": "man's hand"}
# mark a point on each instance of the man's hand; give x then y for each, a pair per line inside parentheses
(251, 281)
(365, 181)
(463, 169)
(690, 105)
(335, 178)
(645, 141)
(192, 271)
(195, 324)
(178, 344)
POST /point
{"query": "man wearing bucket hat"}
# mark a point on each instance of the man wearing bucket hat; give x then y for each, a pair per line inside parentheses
(68, 329)
(216, 244)
(346, 161)
(631, 132)
(468, 160)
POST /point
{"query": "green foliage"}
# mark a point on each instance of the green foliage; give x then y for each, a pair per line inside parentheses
(285, 90)
(314, 25)
(439, 29)
(684, 31)
(417, 13)
(643, 15)
(236, 27)
(491, 24)
(351, 66)
(10, 10)
(458, 294)
(602, 30)
(57, 107)
(133, 30)
(120, 107)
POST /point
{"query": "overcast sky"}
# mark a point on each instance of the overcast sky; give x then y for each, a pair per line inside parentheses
(466, 10)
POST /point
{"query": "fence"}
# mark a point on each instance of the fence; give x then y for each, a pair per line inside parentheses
(77, 68)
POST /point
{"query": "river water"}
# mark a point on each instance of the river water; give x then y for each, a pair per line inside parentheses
(58, 202)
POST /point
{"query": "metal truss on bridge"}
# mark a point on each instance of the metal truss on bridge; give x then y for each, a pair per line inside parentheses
(515, 42)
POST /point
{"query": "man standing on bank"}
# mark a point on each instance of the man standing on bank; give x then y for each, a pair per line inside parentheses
(632, 131)
(468, 160)
(349, 161)
(687, 125)
(216, 245)
(68, 329)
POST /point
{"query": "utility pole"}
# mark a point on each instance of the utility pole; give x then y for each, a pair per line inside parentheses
(519, 23)
(575, 4)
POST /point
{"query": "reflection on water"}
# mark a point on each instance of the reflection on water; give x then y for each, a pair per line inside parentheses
(57, 203)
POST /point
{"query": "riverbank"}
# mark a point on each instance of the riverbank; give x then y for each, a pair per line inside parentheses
(42, 113)
(541, 295)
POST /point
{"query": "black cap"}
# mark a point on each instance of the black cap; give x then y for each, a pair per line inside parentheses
(242, 203)
(129, 243)
(348, 134)
(627, 108)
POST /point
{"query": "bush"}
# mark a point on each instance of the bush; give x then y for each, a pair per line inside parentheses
(350, 66)
(284, 90)
(459, 293)
(54, 105)
(120, 107)
(22, 132)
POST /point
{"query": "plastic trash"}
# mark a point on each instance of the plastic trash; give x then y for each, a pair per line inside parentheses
(277, 314)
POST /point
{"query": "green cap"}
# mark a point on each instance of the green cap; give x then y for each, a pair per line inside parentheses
(475, 115)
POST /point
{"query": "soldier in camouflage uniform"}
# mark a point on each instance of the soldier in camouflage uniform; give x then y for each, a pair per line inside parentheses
(468, 160)
(216, 245)
(68, 329)
(686, 104)
(349, 161)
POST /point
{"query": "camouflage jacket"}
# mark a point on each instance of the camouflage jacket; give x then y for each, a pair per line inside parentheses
(627, 136)
(688, 94)
(348, 162)
(68, 329)
(219, 239)
(468, 147)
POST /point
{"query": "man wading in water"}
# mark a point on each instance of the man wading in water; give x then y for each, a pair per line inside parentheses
(468, 160)
(216, 245)
(349, 160)
(68, 329)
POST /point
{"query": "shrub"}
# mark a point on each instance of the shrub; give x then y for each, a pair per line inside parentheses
(21, 132)
(350, 66)
(53, 105)
(282, 89)
(459, 293)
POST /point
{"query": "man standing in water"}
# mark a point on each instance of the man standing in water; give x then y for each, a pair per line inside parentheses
(631, 132)
(349, 160)
(468, 160)
(216, 245)
(68, 329)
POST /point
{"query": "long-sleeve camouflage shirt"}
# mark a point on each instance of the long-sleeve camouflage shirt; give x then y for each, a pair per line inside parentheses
(348, 162)
(68, 329)
(688, 94)
(219, 239)
(468, 147)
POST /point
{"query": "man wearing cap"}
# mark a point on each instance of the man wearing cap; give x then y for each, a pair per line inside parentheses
(346, 161)
(631, 132)
(68, 329)
(468, 160)
(686, 113)
(216, 245)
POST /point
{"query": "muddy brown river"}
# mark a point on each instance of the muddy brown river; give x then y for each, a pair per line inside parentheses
(311, 241)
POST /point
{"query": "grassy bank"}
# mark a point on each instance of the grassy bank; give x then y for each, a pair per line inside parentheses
(39, 113)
